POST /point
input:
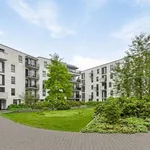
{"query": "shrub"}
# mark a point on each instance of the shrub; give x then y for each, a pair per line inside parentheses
(43, 105)
(61, 105)
(111, 111)
(18, 107)
(92, 103)
(99, 109)
(73, 103)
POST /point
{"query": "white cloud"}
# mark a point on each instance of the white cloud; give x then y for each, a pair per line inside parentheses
(1, 32)
(142, 2)
(133, 28)
(42, 13)
(85, 62)
(92, 5)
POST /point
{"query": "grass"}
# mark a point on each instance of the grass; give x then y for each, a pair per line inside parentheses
(66, 120)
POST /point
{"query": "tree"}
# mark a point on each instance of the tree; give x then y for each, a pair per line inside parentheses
(58, 82)
(28, 98)
(132, 77)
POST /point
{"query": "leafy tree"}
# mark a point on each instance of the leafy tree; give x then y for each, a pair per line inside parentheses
(58, 82)
(132, 76)
(28, 98)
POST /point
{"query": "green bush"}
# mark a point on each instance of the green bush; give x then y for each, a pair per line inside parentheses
(99, 109)
(61, 105)
(43, 105)
(92, 103)
(111, 111)
(126, 125)
(18, 107)
(73, 103)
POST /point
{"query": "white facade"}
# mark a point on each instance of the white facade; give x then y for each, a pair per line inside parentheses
(97, 82)
(20, 72)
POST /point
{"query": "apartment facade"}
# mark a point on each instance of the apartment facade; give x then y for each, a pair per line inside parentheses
(97, 82)
(20, 72)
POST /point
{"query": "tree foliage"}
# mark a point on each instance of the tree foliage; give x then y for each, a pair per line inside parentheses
(58, 82)
(132, 76)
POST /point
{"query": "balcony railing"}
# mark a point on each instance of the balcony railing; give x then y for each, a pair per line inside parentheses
(75, 81)
(74, 71)
(103, 79)
(32, 76)
(35, 66)
(103, 88)
(36, 87)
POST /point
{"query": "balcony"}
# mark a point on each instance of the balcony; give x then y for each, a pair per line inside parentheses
(103, 88)
(74, 72)
(75, 81)
(36, 66)
(3, 56)
(3, 95)
(103, 80)
(32, 76)
(32, 87)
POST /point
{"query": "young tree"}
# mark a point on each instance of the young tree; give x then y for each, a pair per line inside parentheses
(58, 82)
(28, 98)
(132, 77)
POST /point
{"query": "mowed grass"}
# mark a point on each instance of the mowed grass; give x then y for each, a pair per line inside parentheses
(66, 120)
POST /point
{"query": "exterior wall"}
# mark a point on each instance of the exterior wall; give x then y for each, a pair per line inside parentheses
(42, 68)
(12, 58)
(88, 84)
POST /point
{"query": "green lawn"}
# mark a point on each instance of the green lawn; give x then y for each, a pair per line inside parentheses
(67, 120)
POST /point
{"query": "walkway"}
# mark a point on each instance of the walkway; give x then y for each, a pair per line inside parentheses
(14, 136)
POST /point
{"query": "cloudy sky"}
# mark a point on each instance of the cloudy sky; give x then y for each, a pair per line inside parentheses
(83, 32)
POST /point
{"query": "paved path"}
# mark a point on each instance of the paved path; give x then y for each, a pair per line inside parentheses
(14, 136)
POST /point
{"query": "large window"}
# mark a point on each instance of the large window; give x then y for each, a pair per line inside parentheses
(45, 64)
(104, 70)
(1, 66)
(12, 68)
(110, 84)
(2, 80)
(20, 59)
(12, 91)
(2, 89)
(44, 73)
(12, 80)
(97, 71)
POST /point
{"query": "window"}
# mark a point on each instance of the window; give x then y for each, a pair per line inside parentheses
(110, 84)
(45, 64)
(83, 76)
(92, 87)
(111, 67)
(2, 89)
(97, 100)
(2, 67)
(97, 71)
(111, 92)
(104, 70)
(44, 92)
(111, 76)
(12, 91)
(2, 80)
(12, 80)
(44, 73)
(97, 87)
(97, 93)
(15, 101)
(91, 79)
(2, 50)
(20, 59)
(97, 79)
(12, 68)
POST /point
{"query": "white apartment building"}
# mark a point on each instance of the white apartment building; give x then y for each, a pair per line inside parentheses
(97, 82)
(20, 72)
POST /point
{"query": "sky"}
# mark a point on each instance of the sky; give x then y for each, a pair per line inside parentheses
(85, 33)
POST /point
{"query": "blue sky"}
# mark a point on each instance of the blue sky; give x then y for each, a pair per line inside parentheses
(84, 32)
